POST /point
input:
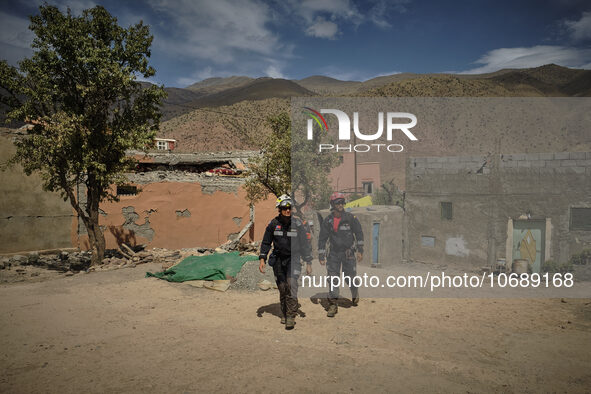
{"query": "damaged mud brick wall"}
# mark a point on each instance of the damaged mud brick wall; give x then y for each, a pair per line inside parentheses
(184, 203)
(181, 203)
(184, 213)
(30, 218)
(486, 193)
(143, 230)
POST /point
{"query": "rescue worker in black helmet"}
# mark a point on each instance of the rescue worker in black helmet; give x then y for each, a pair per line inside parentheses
(345, 236)
(291, 241)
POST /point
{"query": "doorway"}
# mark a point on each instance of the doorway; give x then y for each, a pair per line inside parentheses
(375, 243)
(529, 242)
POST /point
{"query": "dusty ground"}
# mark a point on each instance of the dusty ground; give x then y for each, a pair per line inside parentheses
(117, 331)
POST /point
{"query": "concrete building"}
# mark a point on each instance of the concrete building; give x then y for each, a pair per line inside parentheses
(164, 143)
(471, 211)
(342, 178)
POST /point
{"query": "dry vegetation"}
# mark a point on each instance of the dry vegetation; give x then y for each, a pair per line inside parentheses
(236, 127)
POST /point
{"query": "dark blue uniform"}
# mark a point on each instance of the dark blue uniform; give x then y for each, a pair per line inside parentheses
(343, 243)
(290, 238)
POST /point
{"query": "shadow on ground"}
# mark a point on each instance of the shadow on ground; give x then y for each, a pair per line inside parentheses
(275, 310)
(322, 299)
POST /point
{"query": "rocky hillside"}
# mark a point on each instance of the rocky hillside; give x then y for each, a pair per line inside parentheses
(545, 81)
(234, 127)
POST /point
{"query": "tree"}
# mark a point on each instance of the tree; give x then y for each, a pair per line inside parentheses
(289, 164)
(388, 194)
(271, 172)
(79, 91)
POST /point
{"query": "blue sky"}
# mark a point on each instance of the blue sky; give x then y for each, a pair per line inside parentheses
(344, 39)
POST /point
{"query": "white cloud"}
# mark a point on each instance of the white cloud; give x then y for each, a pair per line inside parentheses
(325, 18)
(207, 72)
(214, 30)
(345, 9)
(15, 38)
(383, 8)
(322, 28)
(252, 69)
(274, 71)
(531, 57)
(351, 75)
(581, 29)
(75, 6)
(384, 74)
(15, 31)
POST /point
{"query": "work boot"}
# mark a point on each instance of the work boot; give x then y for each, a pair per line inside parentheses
(355, 301)
(289, 322)
(332, 310)
(283, 319)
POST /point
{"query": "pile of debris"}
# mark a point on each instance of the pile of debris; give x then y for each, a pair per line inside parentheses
(128, 256)
(63, 261)
(47, 264)
(125, 257)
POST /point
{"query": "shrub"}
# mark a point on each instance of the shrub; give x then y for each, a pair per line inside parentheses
(582, 258)
(552, 266)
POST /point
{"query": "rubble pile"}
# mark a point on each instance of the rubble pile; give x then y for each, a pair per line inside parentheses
(63, 262)
(127, 256)
(251, 247)
(40, 265)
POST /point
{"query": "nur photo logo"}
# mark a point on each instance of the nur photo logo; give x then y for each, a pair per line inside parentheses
(395, 122)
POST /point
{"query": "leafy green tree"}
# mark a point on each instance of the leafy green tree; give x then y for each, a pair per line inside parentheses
(79, 91)
(290, 164)
(271, 172)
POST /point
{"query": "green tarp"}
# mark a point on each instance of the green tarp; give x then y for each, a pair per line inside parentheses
(212, 267)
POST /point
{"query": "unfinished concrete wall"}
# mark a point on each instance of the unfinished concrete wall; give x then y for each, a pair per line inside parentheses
(205, 212)
(488, 193)
(30, 218)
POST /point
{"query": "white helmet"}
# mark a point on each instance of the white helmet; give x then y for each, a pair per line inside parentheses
(283, 201)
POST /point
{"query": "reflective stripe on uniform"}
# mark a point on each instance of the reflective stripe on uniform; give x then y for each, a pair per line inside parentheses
(280, 233)
(321, 251)
(292, 233)
(359, 242)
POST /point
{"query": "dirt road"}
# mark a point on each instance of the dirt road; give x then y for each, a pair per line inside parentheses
(117, 331)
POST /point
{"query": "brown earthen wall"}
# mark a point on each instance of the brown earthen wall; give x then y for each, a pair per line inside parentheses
(176, 215)
(30, 218)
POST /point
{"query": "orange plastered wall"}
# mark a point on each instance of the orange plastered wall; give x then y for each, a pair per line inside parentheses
(179, 215)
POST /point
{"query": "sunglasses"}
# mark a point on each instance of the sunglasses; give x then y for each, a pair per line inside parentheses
(284, 208)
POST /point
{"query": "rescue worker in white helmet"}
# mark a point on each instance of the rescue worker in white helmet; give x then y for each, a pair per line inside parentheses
(343, 232)
(291, 242)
